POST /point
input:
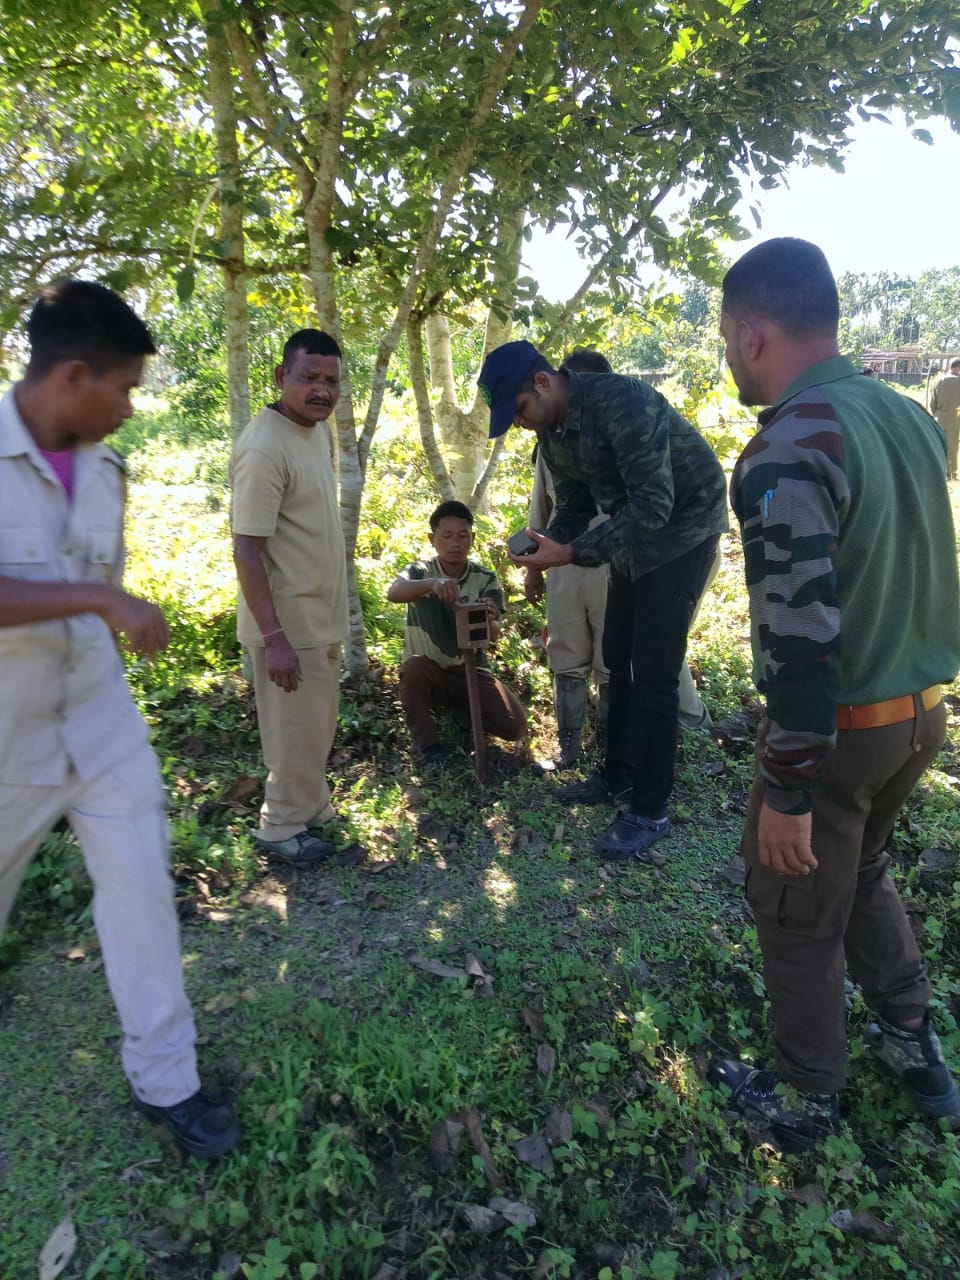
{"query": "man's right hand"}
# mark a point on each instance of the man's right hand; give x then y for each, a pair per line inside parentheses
(533, 586)
(283, 665)
(446, 589)
(140, 622)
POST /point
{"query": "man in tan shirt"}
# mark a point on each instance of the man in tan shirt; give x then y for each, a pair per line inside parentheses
(292, 606)
(945, 407)
(72, 743)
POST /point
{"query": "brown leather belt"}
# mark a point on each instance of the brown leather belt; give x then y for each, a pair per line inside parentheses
(873, 715)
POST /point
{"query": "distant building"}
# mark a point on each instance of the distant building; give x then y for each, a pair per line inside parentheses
(910, 366)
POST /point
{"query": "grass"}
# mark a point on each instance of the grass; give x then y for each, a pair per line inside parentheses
(556, 1073)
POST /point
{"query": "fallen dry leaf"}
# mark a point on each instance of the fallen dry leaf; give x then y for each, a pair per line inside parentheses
(534, 1151)
(558, 1130)
(865, 1225)
(377, 868)
(546, 1060)
(474, 968)
(808, 1194)
(471, 1120)
(481, 1219)
(242, 790)
(533, 1017)
(219, 1004)
(378, 903)
(56, 1253)
(516, 1212)
(445, 1144)
(734, 872)
(351, 856)
(437, 968)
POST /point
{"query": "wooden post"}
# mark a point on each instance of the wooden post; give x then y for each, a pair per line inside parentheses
(473, 633)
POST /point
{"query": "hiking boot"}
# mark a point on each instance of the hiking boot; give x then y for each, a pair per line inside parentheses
(797, 1120)
(202, 1125)
(301, 850)
(916, 1059)
(570, 708)
(594, 790)
(630, 836)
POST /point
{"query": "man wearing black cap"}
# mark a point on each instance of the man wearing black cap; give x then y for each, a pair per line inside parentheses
(613, 442)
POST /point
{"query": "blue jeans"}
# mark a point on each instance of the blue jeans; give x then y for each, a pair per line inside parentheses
(644, 645)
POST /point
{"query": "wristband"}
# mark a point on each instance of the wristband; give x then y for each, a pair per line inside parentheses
(267, 634)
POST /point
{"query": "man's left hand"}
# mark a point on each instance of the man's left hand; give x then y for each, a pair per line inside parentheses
(548, 555)
(785, 842)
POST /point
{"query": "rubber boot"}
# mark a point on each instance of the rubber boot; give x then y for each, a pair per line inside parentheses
(603, 713)
(570, 705)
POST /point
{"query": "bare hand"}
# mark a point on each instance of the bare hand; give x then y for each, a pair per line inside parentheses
(549, 554)
(533, 586)
(283, 665)
(446, 589)
(141, 623)
(785, 842)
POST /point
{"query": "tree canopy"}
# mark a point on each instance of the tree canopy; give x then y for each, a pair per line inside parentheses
(385, 161)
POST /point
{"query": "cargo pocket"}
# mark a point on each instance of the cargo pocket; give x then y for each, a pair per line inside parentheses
(790, 902)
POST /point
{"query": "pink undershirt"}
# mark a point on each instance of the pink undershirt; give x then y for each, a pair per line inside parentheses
(62, 461)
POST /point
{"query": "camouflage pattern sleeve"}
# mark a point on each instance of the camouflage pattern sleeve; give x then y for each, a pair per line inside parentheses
(636, 433)
(790, 494)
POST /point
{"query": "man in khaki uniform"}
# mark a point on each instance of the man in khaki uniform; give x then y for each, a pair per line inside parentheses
(292, 607)
(945, 407)
(71, 740)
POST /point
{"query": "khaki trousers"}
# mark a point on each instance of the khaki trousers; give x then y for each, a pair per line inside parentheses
(296, 734)
(847, 913)
(576, 605)
(425, 685)
(120, 822)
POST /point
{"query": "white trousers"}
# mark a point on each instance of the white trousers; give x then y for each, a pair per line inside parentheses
(120, 822)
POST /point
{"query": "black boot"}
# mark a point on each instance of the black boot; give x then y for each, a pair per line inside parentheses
(916, 1059)
(570, 706)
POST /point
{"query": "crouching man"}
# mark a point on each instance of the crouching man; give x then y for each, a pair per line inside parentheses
(433, 675)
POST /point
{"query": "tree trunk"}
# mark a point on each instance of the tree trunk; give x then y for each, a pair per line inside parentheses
(236, 314)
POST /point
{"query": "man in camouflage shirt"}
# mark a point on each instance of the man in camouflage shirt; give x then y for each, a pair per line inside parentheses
(613, 443)
(855, 621)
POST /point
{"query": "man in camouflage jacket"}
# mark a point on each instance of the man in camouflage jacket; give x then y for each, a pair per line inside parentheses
(855, 621)
(614, 443)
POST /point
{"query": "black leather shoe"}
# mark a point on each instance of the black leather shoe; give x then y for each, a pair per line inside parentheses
(797, 1120)
(630, 837)
(594, 790)
(203, 1126)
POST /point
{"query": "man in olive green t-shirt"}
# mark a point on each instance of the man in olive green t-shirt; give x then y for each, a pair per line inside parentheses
(433, 673)
(292, 605)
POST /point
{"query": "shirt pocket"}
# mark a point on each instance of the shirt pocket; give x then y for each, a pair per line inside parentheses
(103, 548)
(25, 553)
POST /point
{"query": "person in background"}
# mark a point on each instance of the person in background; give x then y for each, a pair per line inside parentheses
(432, 674)
(851, 568)
(292, 605)
(945, 407)
(72, 743)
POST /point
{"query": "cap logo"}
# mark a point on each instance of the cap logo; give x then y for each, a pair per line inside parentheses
(485, 392)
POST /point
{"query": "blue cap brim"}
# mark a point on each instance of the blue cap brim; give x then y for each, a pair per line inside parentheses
(501, 418)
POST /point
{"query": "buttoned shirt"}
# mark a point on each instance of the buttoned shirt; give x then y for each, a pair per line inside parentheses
(624, 449)
(64, 702)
